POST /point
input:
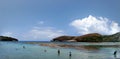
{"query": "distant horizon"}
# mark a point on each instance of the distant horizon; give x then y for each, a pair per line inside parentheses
(55, 37)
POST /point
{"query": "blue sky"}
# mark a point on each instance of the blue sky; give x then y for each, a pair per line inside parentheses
(42, 20)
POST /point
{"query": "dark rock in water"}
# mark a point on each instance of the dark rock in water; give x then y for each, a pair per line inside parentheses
(93, 37)
(5, 38)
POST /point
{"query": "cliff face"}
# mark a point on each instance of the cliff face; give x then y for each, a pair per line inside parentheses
(93, 37)
(5, 38)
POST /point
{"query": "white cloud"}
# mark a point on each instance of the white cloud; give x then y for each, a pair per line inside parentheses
(93, 24)
(41, 22)
(43, 33)
(7, 34)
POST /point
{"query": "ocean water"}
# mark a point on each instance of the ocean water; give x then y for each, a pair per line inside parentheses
(33, 50)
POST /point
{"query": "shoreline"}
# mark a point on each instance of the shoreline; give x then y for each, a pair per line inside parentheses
(78, 47)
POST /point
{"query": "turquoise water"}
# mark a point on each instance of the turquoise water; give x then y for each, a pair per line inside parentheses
(23, 50)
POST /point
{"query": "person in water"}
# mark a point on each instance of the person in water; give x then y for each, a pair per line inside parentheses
(58, 52)
(115, 53)
(45, 50)
(70, 54)
(24, 47)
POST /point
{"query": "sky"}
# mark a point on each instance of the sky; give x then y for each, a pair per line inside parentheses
(43, 20)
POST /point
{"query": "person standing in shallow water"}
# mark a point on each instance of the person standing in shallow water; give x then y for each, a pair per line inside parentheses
(58, 52)
(70, 55)
(115, 54)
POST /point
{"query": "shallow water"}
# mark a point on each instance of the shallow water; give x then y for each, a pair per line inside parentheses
(23, 50)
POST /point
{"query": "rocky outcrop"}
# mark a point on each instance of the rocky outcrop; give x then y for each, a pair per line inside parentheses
(64, 38)
(93, 37)
(5, 38)
(112, 38)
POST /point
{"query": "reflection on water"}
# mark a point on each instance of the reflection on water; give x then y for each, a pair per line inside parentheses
(18, 50)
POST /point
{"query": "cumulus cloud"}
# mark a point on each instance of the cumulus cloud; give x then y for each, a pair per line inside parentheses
(93, 24)
(43, 33)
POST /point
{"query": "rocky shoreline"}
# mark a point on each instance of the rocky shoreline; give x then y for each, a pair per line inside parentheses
(78, 47)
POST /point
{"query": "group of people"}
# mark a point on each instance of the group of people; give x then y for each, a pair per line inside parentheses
(70, 54)
(58, 51)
